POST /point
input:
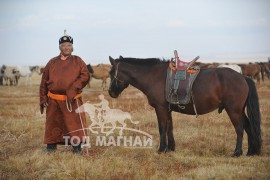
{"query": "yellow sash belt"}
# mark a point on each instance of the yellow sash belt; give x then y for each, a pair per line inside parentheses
(61, 97)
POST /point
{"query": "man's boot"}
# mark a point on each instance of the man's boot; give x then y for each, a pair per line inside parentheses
(51, 147)
(77, 149)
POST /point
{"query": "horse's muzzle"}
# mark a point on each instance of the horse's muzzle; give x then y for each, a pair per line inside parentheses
(112, 94)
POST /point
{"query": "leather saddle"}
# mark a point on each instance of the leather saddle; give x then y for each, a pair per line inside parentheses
(180, 78)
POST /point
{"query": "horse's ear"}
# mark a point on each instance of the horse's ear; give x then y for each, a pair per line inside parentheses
(121, 57)
(112, 60)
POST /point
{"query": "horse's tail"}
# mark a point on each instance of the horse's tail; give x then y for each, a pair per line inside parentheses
(254, 118)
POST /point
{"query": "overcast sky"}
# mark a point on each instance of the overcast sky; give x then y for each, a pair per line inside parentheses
(216, 30)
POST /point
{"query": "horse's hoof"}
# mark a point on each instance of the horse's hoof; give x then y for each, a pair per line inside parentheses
(237, 154)
(162, 150)
(170, 149)
(251, 153)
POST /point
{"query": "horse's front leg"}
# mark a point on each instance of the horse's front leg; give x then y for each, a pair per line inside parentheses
(162, 116)
(258, 78)
(105, 82)
(102, 84)
(30, 79)
(27, 80)
(171, 142)
(89, 85)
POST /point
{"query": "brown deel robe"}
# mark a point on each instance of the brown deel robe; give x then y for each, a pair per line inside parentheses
(65, 77)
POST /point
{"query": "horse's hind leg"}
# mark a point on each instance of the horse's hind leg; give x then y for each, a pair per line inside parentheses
(258, 78)
(247, 128)
(237, 120)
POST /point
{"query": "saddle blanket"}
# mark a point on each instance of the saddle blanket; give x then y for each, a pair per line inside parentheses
(179, 85)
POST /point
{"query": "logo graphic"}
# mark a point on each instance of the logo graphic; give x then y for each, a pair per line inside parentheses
(109, 127)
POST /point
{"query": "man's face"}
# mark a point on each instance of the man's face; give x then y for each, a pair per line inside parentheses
(66, 48)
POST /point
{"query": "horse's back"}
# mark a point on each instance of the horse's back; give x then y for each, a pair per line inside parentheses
(250, 69)
(234, 67)
(24, 70)
(100, 72)
(221, 77)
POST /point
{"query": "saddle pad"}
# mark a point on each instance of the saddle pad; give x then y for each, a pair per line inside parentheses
(182, 95)
(180, 75)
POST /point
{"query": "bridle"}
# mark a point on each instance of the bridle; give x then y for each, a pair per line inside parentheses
(115, 76)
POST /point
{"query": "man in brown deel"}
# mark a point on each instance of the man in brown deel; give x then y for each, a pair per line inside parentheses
(61, 86)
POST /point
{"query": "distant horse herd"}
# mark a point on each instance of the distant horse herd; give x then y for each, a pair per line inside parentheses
(10, 75)
(253, 70)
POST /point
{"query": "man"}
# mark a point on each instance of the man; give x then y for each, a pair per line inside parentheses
(62, 82)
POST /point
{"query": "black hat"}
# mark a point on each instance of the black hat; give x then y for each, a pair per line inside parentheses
(66, 38)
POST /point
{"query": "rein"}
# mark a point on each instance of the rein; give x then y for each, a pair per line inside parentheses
(115, 76)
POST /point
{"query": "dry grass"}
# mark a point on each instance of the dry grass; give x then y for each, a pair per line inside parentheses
(203, 144)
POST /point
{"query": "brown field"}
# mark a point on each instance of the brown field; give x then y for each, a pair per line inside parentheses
(203, 144)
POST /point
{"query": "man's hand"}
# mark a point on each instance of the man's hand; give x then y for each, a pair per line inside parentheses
(71, 93)
(43, 105)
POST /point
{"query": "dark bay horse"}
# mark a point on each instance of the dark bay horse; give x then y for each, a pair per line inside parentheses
(215, 88)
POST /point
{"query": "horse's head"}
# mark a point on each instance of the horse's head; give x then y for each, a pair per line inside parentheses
(119, 80)
(36, 69)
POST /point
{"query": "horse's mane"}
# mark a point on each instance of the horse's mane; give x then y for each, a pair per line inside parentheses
(32, 68)
(138, 61)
